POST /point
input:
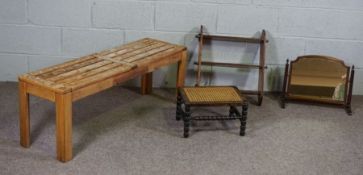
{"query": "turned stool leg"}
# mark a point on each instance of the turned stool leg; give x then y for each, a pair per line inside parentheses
(243, 119)
(186, 118)
(178, 107)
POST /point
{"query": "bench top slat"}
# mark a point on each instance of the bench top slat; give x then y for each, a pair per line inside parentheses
(61, 69)
(90, 69)
(105, 64)
(67, 64)
(143, 63)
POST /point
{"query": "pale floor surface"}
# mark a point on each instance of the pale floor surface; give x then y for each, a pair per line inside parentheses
(119, 131)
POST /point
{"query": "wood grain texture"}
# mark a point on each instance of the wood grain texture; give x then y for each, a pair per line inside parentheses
(146, 83)
(261, 71)
(40, 92)
(182, 64)
(24, 115)
(230, 65)
(86, 70)
(64, 126)
(79, 78)
(200, 50)
(230, 38)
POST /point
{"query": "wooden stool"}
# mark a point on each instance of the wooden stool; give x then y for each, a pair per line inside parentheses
(211, 96)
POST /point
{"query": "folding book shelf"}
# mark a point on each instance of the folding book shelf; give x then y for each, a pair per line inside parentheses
(261, 41)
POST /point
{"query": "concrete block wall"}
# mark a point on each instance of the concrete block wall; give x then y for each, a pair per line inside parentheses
(39, 33)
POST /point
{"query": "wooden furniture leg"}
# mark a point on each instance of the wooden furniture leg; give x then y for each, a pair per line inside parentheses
(181, 70)
(348, 107)
(146, 83)
(64, 126)
(283, 93)
(193, 97)
(79, 78)
(24, 115)
(261, 72)
(179, 112)
(243, 119)
(186, 118)
(200, 48)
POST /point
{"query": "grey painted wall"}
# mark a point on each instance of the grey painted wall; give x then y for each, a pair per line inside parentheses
(39, 33)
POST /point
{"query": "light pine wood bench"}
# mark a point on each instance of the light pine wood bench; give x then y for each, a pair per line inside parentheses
(79, 78)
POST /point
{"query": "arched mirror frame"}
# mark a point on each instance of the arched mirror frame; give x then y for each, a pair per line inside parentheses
(286, 94)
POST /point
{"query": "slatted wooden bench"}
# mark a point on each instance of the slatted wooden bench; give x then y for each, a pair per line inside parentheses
(79, 78)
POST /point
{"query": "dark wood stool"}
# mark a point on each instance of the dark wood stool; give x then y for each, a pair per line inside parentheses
(211, 96)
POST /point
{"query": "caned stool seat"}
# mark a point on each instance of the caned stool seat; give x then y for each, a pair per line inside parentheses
(228, 96)
(212, 95)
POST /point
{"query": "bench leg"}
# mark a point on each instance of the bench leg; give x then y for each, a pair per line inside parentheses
(146, 83)
(64, 126)
(244, 119)
(186, 118)
(181, 70)
(24, 115)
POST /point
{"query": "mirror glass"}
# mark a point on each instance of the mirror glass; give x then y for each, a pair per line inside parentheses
(318, 77)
